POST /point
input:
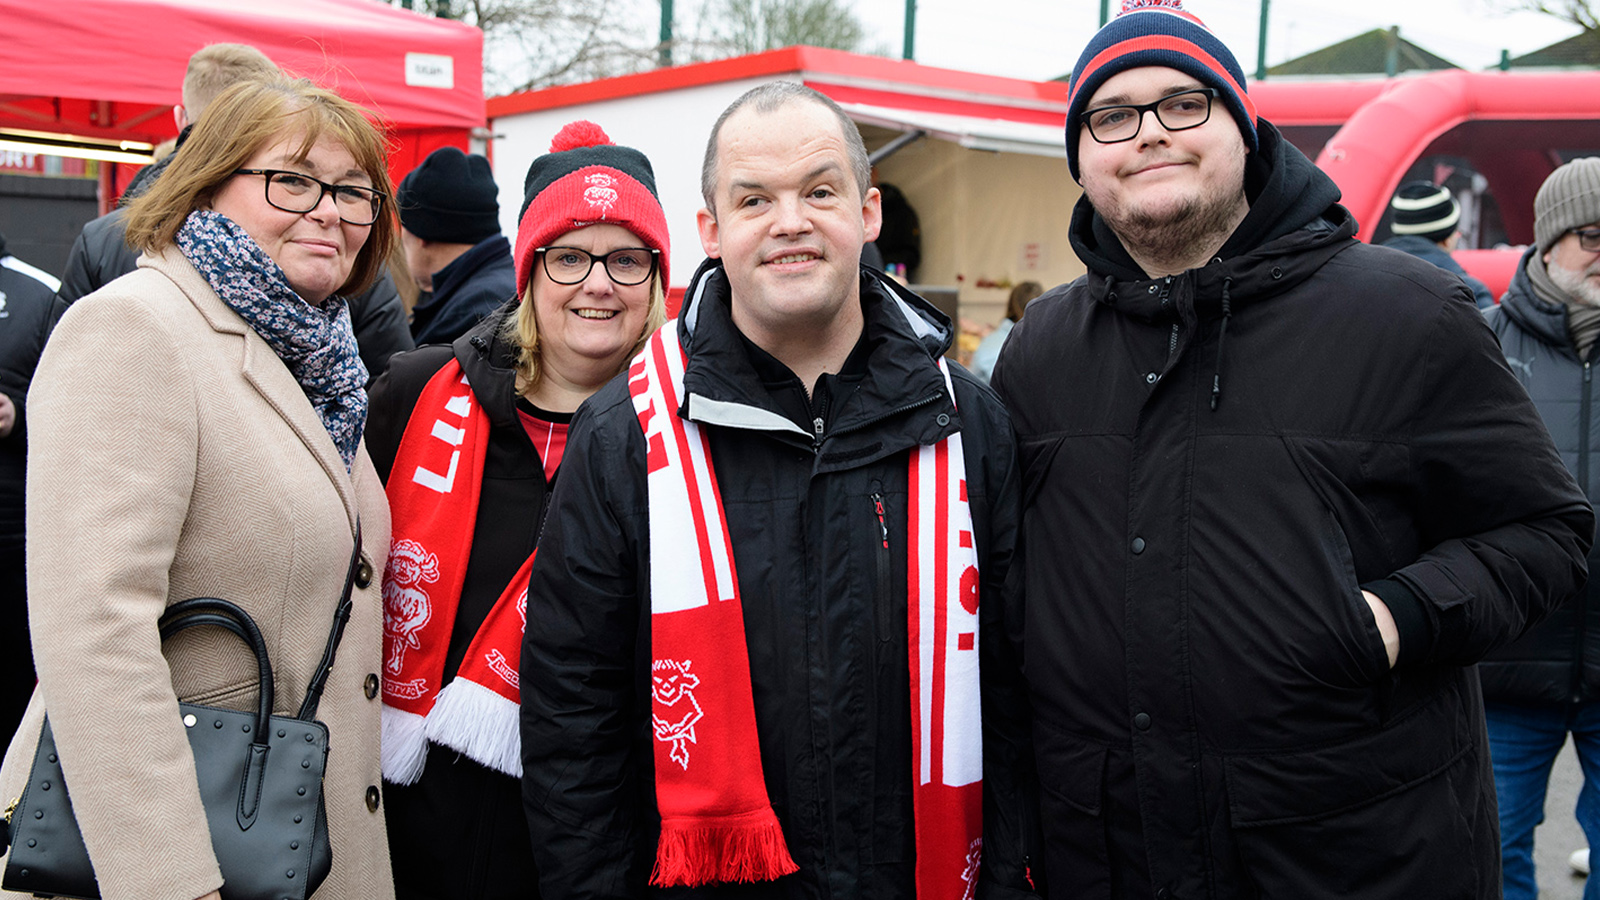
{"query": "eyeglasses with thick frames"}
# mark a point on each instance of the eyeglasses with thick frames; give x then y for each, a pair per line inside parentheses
(1588, 239)
(298, 193)
(1175, 112)
(571, 265)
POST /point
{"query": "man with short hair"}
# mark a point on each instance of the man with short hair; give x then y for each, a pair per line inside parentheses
(1547, 684)
(1425, 220)
(450, 231)
(101, 253)
(1281, 492)
(771, 566)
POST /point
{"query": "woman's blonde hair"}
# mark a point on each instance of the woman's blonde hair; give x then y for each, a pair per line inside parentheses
(244, 119)
(522, 330)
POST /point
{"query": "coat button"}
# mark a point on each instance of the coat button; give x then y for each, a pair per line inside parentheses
(1163, 894)
(1141, 721)
(942, 419)
(371, 685)
(372, 798)
(1150, 377)
(1138, 545)
(363, 574)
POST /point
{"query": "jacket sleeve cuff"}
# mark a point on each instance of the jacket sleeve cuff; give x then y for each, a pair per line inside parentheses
(1410, 619)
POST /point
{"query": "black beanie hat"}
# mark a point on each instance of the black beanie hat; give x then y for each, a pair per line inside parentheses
(1426, 210)
(451, 197)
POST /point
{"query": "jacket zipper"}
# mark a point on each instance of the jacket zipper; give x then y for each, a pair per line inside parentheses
(1583, 483)
(884, 623)
(1165, 297)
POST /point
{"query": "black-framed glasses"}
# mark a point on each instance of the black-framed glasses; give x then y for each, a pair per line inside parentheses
(626, 266)
(1588, 239)
(299, 193)
(1175, 112)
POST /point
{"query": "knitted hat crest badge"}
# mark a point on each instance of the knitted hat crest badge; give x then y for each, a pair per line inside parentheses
(601, 192)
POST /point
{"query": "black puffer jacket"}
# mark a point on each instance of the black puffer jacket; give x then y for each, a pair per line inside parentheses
(824, 609)
(1215, 715)
(460, 831)
(1559, 659)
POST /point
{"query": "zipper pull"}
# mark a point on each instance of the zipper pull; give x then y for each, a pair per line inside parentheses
(816, 432)
(883, 525)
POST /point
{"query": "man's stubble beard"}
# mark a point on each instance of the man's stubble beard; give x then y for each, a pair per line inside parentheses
(1207, 218)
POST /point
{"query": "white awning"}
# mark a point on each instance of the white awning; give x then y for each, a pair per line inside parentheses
(973, 132)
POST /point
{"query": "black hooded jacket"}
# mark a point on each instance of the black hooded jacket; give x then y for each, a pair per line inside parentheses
(1558, 660)
(459, 831)
(823, 585)
(1215, 464)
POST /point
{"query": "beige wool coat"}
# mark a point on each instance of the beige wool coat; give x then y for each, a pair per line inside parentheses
(172, 455)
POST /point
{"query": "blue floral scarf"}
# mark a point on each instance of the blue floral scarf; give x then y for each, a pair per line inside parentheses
(316, 343)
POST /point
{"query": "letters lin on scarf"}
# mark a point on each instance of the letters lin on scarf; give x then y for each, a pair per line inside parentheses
(717, 824)
(433, 494)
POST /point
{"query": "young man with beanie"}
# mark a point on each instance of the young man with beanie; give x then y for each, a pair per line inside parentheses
(450, 231)
(1425, 220)
(1546, 685)
(1281, 492)
(766, 655)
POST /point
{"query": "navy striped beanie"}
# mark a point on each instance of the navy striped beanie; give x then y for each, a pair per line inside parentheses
(1157, 33)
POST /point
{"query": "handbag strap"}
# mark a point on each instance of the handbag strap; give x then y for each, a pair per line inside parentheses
(223, 614)
(341, 615)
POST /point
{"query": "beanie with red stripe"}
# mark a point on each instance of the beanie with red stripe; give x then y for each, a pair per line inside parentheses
(1157, 33)
(586, 180)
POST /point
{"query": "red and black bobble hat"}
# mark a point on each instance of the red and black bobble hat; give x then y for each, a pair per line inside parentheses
(586, 180)
(1157, 33)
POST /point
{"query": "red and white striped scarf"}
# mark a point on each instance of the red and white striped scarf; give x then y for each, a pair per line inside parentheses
(717, 824)
(433, 494)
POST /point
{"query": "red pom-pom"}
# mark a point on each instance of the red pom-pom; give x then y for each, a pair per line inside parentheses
(577, 134)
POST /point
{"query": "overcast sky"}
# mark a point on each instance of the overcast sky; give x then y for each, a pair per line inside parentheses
(1040, 39)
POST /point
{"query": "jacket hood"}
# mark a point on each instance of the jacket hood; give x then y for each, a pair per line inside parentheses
(1287, 192)
(1545, 320)
(908, 335)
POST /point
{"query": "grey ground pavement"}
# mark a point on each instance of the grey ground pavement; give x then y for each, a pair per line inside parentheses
(1555, 840)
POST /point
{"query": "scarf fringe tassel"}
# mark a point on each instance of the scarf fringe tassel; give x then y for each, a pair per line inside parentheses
(404, 749)
(478, 723)
(746, 848)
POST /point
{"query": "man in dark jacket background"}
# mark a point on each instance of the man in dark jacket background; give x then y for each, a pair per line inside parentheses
(1425, 219)
(1547, 684)
(450, 230)
(101, 254)
(815, 383)
(28, 310)
(1280, 493)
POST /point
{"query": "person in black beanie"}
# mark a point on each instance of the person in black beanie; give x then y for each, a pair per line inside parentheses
(1426, 224)
(450, 229)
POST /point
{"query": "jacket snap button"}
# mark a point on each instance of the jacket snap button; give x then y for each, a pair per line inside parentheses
(1138, 545)
(1142, 721)
(1163, 894)
(372, 798)
(1150, 378)
(363, 574)
(943, 419)
(371, 685)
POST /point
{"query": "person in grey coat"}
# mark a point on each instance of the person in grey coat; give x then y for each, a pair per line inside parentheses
(1545, 686)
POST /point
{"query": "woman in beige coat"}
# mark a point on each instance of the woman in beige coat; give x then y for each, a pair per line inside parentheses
(195, 431)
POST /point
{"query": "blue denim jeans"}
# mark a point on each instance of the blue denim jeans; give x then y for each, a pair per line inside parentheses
(1523, 742)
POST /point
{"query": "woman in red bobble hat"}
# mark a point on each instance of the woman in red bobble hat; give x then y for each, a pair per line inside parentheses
(468, 438)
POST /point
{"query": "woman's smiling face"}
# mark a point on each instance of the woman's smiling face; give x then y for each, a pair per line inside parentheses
(595, 319)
